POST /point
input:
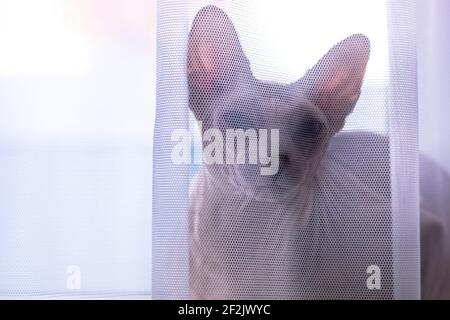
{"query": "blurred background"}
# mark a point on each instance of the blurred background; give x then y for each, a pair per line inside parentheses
(77, 99)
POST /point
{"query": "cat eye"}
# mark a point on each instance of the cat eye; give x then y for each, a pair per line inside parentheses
(237, 120)
(310, 128)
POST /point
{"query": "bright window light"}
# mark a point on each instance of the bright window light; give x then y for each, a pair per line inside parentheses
(41, 38)
(294, 34)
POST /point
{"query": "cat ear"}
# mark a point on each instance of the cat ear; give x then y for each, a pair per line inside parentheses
(215, 57)
(334, 83)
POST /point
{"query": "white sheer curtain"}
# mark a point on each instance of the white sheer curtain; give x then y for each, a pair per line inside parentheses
(282, 40)
(434, 78)
(434, 112)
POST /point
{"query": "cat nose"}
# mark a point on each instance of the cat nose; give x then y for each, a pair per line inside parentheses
(284, 161)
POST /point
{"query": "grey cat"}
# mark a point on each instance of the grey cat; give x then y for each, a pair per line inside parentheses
(301, 233)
